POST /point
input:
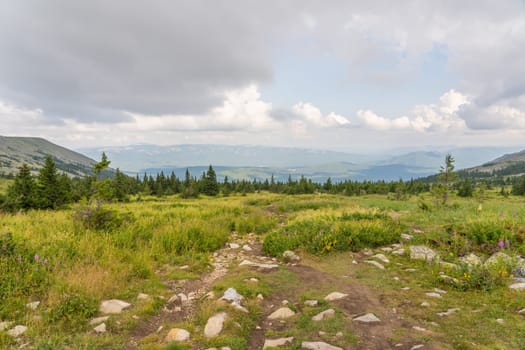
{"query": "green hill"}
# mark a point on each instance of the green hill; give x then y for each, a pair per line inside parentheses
(14, 151)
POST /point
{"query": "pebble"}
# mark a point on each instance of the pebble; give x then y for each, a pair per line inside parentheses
(313, 303)
(368, 318)
(433, 295)
(448, 312)
(375, 263)
(98, 320)
(324, 315)
(214, 325)
(113, 306)
(335, 296)
(318, 345)
(101, 328)
(17, 331)
(281, 313)
(178, 335)
(274, 343)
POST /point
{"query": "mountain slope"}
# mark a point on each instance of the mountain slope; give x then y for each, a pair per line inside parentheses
(14, 151)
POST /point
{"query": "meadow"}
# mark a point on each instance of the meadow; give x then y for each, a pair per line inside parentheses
(69, 266)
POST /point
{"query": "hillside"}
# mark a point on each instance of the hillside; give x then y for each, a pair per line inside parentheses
(14, 151)
(507, 165)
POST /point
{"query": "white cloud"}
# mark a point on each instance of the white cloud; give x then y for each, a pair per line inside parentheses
(424, 118)
(312, 115)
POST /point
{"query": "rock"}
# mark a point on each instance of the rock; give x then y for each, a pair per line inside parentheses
(448, 279)
(339, 334)
(368, 252)
(247, 248)
(177, 335)
(471, 260)
(101, 328)
(440, 291)
(173, 299)
(433, 295)
(274, 343)
(335, 296)
(183, 298)
(143, 296)
(382, 258)
(318, 345)
(375, 263)
(368, 318)
(354, 262)
(448, 312)
(233, 245)
(418, 346)
(321, 333)
(425, 304)
(519, 272)
(419, 252)
(499, 258)
(281, 313)
(17, 331)
(5, 325)
(324, 315)
(406, 236)
(33, 305)
(521, 312)
(214, 325)
(405, 288)
(420, 329)
(285, 302)
(290, 256)
(400, 251)
(184, 267)
(311, 302)
(260, 296)
(231, 295)
(113, 306)
(518, 286)
(448, 265)
(410, 270)
(501, 321)
(386, 249)
(98, 320)
(259, 265)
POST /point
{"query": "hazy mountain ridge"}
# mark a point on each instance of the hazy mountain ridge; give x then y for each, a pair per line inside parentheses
(508, 164)
(15, 151)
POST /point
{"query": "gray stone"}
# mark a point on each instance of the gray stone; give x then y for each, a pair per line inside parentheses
(448, 312)
(113, 306)
(519, 272)
(406, 236)
(143, 296)
(400, 251)
(433, 295)
(290, 256)
(324, 315)
(274, 343)
(318, 345)
(418, 346)
(311, 302)
(98, 320)
(33, 305)
(247, 248)
(214, 325)
(419, 252)
(17, 331)
(518, 286)
(231, 295)
(177, 335)
(5, 325)
(259, 265)
(368, 318)
(335, 296)
(375, 263)
(101, 328)
(233, 246)
(499, 258)
(281, 313)
(382, 258)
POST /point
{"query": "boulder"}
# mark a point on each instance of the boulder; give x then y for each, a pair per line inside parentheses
(335, 296)
(375, 263)
(368, 318)
(113, 306)
(324, 315)
(177, 335)
(288, 255)
(281, 313)
(274, 343)
(419, 252)
(318, 345)
(214, 325)
(231, 295)
(17, 331)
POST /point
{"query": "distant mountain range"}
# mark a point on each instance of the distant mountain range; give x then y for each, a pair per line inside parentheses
(261, 162)
(14, 151)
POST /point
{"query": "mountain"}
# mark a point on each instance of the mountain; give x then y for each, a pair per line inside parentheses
(511, 164)
(14, 151)
(260, 162)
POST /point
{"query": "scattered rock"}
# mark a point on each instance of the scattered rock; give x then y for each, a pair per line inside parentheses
(499, 258)
(101, 328)
(98, 320)
(519, 272)
(231, 295)
(17, 331)
(274, 343)
(448, 265)
(368, 252)
(382, 258)
(318, 345)
(233, 245)
(335, 296)
(214, 325)
(285, 302)
(184, 267)
(471, 260)
(433, 295)
(311, 302)
(448, 312)
(260, 296)
(375, 263)
(425, 304)
(281, 313)
(418, 346)
(324, 315)
(113, 306)
(420, 329)
(247, 248)
(400, 251)
(419, 252)
(440, 291)
(386, 249)
(259, 265)
(143, 296)
(33, 305)
(406, 236)
(518, 286)
(290, 256)
(368, 318)
(178, 335)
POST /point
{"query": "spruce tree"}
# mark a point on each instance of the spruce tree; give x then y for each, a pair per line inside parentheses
(21, 194)
(210, 188)
(48, 185)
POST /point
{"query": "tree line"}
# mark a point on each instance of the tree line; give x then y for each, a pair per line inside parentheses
(51, 190)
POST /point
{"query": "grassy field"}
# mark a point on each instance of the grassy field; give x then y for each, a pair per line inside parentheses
(54, 258)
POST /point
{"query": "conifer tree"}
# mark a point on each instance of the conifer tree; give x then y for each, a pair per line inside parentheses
(22, 192)
(210, 187)
(48, 186)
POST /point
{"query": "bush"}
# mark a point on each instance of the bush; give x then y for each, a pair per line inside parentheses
(73, 311)
(480, 277)
(100, 218)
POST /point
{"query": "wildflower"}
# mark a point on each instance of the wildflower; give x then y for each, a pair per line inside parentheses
(37, 257)
(507, 243)
(19, 258)
(501, 244)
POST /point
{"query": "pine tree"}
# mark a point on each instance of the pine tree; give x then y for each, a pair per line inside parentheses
(446, 177)
(211, 187)
(48, 186)
(119, 187)
(22, 192)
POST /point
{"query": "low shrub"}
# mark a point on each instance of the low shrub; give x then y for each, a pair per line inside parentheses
(73, 311)
(100, 218)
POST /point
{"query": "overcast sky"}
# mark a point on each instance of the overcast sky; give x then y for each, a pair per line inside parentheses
(352, 75)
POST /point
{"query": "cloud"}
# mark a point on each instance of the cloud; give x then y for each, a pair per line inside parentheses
(312, 115)
(423, 118)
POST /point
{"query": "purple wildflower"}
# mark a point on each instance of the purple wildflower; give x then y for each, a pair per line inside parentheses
(37, 257)
(501, 244)
(507, 243)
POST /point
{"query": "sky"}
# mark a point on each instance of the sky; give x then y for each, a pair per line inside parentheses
(346, 75)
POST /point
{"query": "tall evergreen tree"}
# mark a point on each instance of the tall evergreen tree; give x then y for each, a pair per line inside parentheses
(21, 194)
(210, 187)
(48, 186)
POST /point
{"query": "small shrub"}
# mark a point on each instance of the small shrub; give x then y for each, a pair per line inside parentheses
(100, 218)
(73, 311)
